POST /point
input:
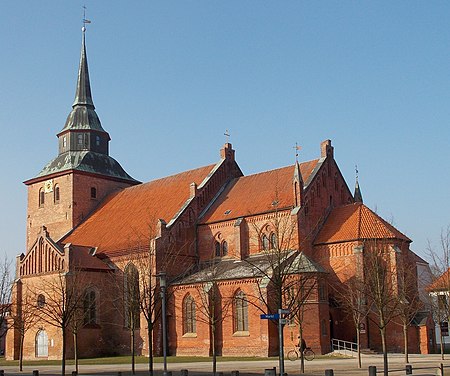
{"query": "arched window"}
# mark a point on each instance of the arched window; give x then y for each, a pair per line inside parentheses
(189, 318)
(40, 301)
(56, 194)
(41, 344)
(322, 292)
(240, 312)
(90, 307)
(224, 248)
(97, 140)
(131, 298)
(93, 192)
(265, 242)
(273, 241)
(217, 248)
(41, 197)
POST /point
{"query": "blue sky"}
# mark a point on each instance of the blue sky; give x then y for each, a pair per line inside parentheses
(168, 78)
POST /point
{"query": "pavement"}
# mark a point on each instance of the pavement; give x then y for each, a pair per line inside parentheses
(423, 365)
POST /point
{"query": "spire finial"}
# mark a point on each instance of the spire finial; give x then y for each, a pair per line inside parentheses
(297, 148)
(85, 20)
(357, 195)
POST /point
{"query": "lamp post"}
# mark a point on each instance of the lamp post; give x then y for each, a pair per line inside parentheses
(162, 285)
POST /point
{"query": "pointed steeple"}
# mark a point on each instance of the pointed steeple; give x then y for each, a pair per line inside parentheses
(357, 196)
(83, 116)
(298, 185)
(83, 94)
(83, 143)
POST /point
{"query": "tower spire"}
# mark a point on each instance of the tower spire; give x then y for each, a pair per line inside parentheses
(83, 96)
(357, 196)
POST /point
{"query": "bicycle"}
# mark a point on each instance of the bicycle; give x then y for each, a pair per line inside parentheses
(308, 354)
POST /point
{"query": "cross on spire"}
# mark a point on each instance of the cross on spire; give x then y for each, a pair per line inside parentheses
(297, 148)
(227, 135)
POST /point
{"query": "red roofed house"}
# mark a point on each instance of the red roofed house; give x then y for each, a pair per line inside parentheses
(87, 218)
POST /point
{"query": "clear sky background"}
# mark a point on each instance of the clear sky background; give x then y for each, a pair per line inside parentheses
(169, 77)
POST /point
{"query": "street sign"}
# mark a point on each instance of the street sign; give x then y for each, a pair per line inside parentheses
(284, 311)
(444, 329)
(270, 316)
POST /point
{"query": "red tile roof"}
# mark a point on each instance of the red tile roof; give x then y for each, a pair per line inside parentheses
(356, 221)
(442, 283)
(255, 193)
(125, 219)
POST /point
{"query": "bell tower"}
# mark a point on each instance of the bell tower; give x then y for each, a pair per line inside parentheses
(71, 185)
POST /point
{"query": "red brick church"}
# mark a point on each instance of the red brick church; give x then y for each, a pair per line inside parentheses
(220, 237)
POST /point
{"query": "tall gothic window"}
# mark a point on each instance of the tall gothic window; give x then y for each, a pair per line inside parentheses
(41, 197)
(93, 192)
(189, 318)
(265, 242)
(224, 248)
(131, 298)
(56, 193)
(273, 241)
(240, 312)
(217, 248)
(90, 307)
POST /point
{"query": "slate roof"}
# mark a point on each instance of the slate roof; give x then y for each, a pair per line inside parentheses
(254, 194)
(85, 161)
(254, 266)
(356, 222)
(125, 220)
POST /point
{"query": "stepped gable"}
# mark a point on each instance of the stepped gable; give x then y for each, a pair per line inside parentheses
(255, 194)
(356, 222)
(127, 218)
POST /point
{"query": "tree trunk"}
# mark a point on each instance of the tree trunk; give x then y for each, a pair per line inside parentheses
(300, 351)
(133, 366)
(150, 347)
(63, 360)
(75, 349)
(405, 337)
(385, 355)
(22, 337)
(358, 346)
(213, 348)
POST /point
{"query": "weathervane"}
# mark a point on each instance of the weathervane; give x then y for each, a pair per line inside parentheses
(356, 172)
(85, 20)
(297, 148)
(227, 135)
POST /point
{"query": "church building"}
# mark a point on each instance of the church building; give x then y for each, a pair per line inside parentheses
(231, 247)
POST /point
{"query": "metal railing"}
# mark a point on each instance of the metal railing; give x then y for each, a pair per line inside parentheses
(344, 347)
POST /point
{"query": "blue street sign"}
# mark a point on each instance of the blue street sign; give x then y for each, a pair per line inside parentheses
(270, 316)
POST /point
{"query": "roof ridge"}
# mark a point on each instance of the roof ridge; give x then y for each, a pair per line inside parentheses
(279, 168)
(170, 176)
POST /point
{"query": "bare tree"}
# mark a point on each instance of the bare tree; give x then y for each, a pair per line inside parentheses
(23, 317)
(6, 285)
(381, 288)
(212, 307)
(58, 298)
(440, 288)
(286, 277)
(351, 297)
(409, 303)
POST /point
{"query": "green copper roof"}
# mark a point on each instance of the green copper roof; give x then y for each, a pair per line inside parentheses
(86, 161)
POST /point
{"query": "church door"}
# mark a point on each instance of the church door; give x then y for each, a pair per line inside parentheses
(41, 344)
